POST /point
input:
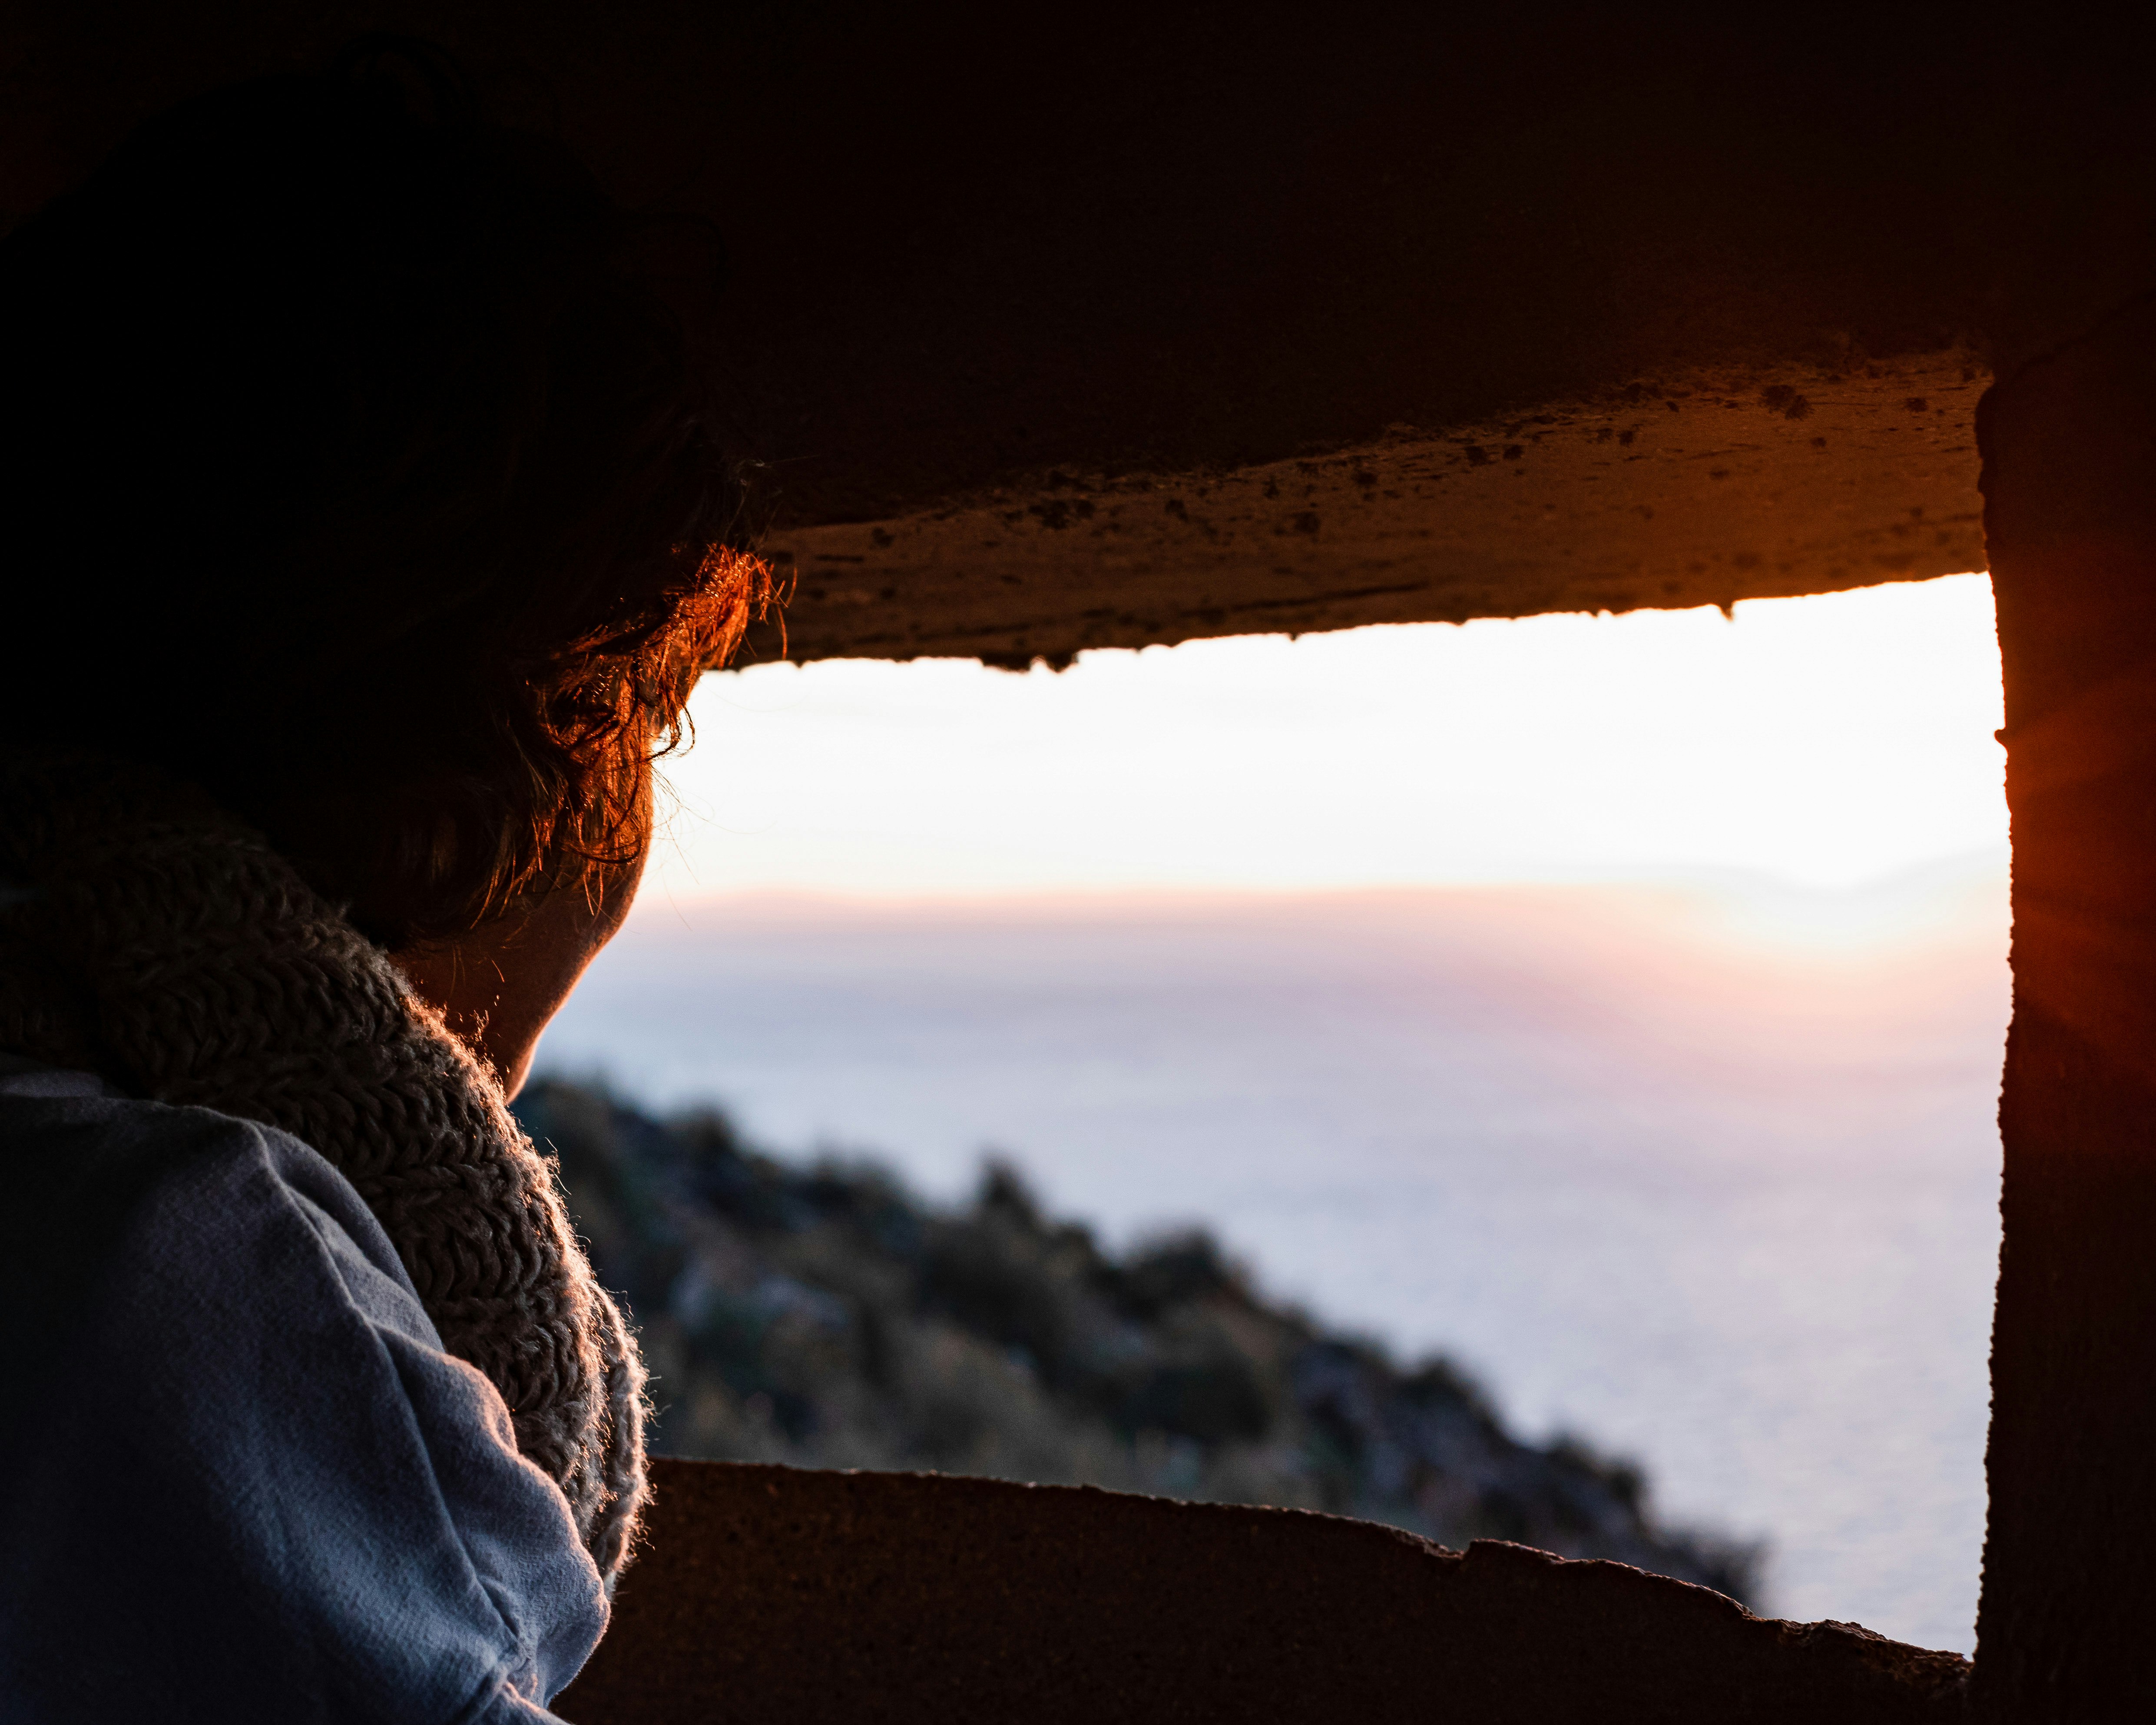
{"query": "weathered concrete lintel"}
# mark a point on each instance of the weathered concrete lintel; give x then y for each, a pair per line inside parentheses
(1698, 490)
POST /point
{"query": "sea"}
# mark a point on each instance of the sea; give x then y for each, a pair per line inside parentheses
(1701, 1169)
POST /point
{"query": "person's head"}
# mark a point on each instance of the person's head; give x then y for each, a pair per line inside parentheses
(353, 466)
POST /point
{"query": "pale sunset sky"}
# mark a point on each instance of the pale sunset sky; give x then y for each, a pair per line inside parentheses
(1821, 743)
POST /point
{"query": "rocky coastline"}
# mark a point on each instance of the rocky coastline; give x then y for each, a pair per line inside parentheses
(816, 1312)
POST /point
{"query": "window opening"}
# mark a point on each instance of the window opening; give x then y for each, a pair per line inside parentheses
(1612, 1004)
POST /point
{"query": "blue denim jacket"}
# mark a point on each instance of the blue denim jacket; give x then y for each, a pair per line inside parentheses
(239, 1478)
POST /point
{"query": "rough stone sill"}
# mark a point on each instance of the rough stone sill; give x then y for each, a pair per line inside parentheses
(773, 1593)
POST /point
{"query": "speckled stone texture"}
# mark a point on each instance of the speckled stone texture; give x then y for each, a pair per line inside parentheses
(781, 1593)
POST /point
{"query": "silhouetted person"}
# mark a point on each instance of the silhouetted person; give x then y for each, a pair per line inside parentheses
(367, 530)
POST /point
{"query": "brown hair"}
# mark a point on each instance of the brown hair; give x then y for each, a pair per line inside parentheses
(358, 463)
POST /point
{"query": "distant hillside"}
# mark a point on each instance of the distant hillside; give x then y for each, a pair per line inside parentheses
(819, 1314)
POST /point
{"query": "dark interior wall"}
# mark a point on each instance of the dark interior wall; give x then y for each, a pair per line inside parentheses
(973, 243)
(2070, 481)
(1056, 331)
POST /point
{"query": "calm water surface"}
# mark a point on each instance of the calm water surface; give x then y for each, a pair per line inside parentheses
(1705, 1174)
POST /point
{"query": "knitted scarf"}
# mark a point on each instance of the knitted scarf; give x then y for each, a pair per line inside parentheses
(149, 937)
